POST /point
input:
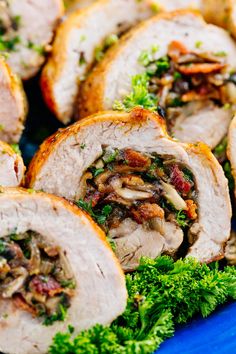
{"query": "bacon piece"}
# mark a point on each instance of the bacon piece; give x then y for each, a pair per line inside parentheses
(191, 211)
(200, 68)
(19, 302)
(179, 181)
(136, 159)
(93, 198)
(176, 49)
(45, 285)
(147, 211)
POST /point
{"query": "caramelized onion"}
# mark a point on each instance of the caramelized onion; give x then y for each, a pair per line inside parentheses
(35, 259)
(10, 288)
(173, 196)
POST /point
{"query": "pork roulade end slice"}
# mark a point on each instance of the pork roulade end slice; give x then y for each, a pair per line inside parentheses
(13, 105)
(79, 41)
(178, 62)
(145, 189)
(27, 28)
(56, 269)
(12, 166)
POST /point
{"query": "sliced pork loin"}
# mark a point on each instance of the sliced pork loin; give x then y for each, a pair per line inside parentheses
(221, 12)
(185, 62)
(53, 258)
(12, 166)
(145, 189)
(28, 28)
(231, 148)
(13, 105)
(78, 38)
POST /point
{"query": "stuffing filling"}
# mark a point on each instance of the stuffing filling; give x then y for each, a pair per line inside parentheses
(36, 275)
(183, 77)
(147, 188)
(181, 82)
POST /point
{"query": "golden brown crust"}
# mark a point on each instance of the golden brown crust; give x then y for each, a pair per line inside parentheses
(19, 191)
(136, 116)
(17, 92)
(92, 91)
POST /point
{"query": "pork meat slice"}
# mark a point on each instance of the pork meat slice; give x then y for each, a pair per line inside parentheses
(60, 163)
(111, 79)
(231, 148)
(198, 121)
(28, 29)
(133, 241)
(12, 167)
(100, 293)
(13, 105)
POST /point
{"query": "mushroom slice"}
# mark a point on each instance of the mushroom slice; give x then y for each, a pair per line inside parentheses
(190, 169)
(13, 105)
(12, 166)
(27, 31)
(177, 71)
(99, 292)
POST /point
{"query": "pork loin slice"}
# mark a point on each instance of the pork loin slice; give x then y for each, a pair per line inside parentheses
(13, 105)
(28, 28)
(231, 148)
(221, 12)
(199, 122)
(11, 167)
(133, 241)
(100, 293)
(60, 163)
(122, 63)
(74, 48)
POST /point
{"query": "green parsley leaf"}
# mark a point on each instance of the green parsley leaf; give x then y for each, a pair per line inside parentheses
(16, 148)
(60, 315)
(139, 95)
(2, 246)
(161, 294)
(181, 218)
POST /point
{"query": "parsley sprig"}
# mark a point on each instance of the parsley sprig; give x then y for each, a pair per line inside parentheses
(162, 294)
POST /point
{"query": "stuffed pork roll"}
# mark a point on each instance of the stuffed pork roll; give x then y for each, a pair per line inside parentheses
(174, 61)
(81, 40)
(12, 166)
(13, 105)
(56, 269)
(27, 28)
(151, 194)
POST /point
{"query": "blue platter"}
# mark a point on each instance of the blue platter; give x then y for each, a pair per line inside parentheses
(214, 335)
